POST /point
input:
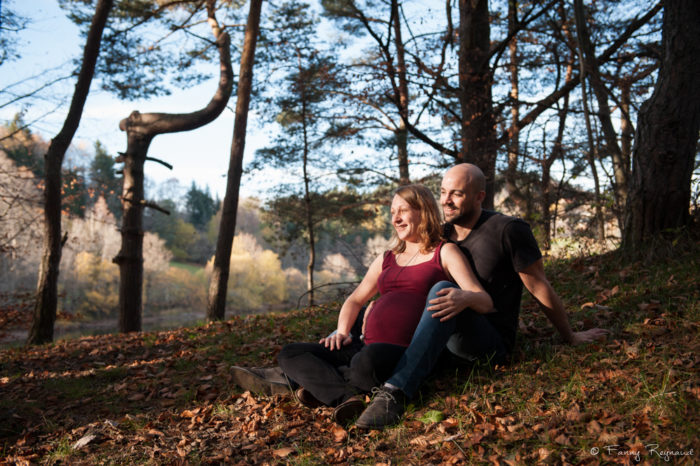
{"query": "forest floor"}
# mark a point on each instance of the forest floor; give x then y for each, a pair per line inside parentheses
(167, 397)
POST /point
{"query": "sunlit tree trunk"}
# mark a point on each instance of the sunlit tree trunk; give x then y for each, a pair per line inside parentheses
(218, 285)
(667, 133)
(626, 131)
(47, 285)
(308, 208)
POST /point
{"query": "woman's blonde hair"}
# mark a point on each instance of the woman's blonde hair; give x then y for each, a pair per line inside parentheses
(430, 230)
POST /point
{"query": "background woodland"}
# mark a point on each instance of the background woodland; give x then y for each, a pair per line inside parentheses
(581, 115)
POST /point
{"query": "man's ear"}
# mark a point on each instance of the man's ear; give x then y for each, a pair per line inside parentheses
(480, 196)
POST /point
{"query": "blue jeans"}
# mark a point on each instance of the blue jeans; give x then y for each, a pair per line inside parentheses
(470, 333)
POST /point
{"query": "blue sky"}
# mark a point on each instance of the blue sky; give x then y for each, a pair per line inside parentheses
(47, 47)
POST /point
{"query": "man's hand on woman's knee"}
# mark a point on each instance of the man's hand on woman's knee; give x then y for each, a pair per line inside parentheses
(449, 303)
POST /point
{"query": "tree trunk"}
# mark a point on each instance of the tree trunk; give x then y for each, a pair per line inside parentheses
(141, 128)
(218, 285)
(667, 134)
(130, 257)
(592, 152)
(620, 170)
(307, 205)
(478, 133)
(513, 131)
(312, 240)
(47, 285)
(626, 131)
(557, 152)
(402, 133)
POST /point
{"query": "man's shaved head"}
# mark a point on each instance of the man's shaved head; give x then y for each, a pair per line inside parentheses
(472, 174)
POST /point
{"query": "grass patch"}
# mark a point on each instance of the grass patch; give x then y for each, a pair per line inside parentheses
(191, 268)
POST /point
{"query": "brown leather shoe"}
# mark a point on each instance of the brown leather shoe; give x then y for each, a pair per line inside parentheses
(347, 411)
(265, 380)
(305, 397)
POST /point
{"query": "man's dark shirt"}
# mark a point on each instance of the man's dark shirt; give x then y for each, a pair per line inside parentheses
(498, 248)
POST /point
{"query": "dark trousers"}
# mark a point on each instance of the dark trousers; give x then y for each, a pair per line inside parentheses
(334, 376)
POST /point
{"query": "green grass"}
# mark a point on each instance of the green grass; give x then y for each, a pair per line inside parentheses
(189, 267)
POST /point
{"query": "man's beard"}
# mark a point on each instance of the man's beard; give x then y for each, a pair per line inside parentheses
(459, 217)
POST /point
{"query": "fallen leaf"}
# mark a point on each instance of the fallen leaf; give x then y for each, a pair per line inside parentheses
(189, 413)
(339, 434)
(283, 452)
(432, 416)
(421, 441)
(543, 453)
(84, 441)
(594, 427)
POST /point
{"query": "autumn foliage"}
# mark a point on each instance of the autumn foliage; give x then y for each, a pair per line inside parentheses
(168, 397)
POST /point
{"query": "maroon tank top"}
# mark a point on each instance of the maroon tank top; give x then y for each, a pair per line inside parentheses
(403, 291)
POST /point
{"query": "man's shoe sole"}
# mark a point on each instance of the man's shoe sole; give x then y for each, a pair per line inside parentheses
(248, 380)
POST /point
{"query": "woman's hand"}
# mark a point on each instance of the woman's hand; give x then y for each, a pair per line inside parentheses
(336, 341)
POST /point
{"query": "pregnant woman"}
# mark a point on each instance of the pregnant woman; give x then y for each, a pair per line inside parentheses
(339, 370)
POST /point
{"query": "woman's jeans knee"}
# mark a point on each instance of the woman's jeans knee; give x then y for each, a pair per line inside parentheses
(427, 343)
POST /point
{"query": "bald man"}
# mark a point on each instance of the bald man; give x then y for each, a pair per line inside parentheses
(504, 255)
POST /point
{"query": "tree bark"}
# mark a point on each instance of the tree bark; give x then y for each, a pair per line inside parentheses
(513, 131)
(47, 285)
(308, 209)
(141, 129)
(401, 133)
(549, 220)
(620, 170)
(667, 134)
(478, 133)
(218, 285)
(626, 131)
(591, 154)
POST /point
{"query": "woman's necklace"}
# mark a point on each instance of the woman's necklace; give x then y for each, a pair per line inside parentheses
(401, 267)
(410, 260)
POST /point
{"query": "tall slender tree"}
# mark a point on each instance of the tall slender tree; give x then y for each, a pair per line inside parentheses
(47, 286)
(591, 70)
(218, 285)
(301, 109)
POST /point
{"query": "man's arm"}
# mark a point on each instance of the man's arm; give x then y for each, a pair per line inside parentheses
(536, 282)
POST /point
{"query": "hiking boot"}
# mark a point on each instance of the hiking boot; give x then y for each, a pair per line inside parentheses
(385, 409)
(348, 410)
(265, 380)
(305, 398)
